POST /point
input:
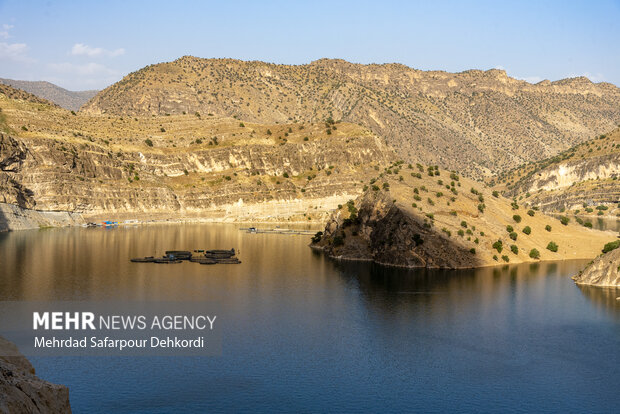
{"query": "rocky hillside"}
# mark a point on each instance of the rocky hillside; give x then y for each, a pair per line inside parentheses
(604, 271)
(421, 216)
(583, 177)
(21, 391)
(180, 165)
(71, 100)
(477, 122)
(18, 94)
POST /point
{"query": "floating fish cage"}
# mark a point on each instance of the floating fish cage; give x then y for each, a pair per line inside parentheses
(200, 256)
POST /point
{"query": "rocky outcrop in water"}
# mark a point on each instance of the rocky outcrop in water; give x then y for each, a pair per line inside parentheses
(375, 228)
(604, 271)
(21, 391)
(413, 216)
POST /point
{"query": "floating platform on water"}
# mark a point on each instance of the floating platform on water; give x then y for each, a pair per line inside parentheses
(167, 260)
(200, 256)
(232, 260)
(148, 259)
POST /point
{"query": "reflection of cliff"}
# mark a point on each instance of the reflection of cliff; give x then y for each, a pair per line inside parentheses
(603, 298)
(21, 391)
(394, 290)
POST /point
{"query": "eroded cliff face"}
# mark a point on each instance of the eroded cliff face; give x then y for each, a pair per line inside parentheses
(21, 391)
(569, 185)
(12, 155)
(569, 173)
(272, 181)
(584, 175)
(604, 271)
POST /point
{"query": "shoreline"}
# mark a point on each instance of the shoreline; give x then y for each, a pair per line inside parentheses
(486, 265)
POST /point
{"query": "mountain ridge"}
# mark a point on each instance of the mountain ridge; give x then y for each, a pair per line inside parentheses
(433, 117)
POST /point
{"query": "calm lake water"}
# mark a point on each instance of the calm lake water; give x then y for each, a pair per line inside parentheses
(305, 334)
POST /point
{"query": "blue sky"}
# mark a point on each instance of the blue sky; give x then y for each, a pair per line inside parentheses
(85, 45)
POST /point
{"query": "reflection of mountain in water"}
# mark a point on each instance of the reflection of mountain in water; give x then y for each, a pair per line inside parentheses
(599, 223)
(393, 289)
(603, 298)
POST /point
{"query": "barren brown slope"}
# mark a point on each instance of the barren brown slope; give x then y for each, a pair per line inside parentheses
(476, 122)
(180, 165)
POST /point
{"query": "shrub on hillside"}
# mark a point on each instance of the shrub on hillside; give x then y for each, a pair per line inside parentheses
(611, 246)
(499, 246)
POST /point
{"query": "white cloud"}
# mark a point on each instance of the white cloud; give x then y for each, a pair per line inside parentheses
(4, 33)
(14, 51)
(80, 49)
